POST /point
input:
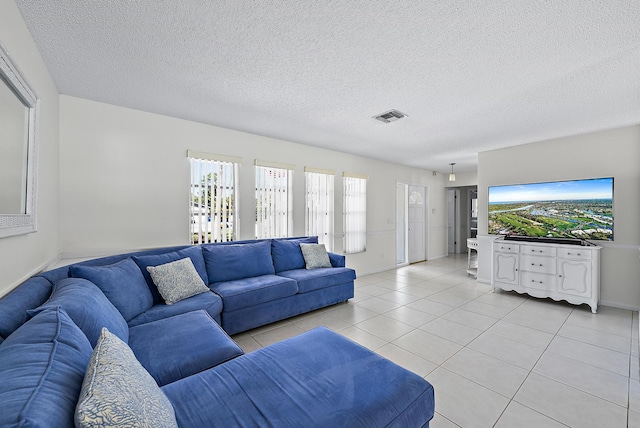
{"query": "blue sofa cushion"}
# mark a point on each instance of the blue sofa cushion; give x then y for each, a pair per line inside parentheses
(314, 279)
(42, 365)
(118, 392)
(182, 345)
(88, 307)
(249, 292)
(194, 253)
(318, 379)
(239, 261)
(286, 253)
(122, 283)
(209, 301)
(14, 306)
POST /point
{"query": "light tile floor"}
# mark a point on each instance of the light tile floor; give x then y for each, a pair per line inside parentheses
(495, 359)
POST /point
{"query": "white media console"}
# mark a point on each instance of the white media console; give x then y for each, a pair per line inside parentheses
(559, 271)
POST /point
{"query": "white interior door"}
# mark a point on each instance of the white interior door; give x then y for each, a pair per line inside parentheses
(416, 221)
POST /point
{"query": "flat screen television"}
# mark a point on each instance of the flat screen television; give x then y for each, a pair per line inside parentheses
(579, 209)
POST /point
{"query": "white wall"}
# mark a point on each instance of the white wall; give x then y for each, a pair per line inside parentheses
(125, 183)
(21, 256)
(463, 179)
(614, 153)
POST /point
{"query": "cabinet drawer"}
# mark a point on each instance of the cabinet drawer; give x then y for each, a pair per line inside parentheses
(577, 254)
(539, 281)
(538, 264)
(538, 251)
(507, 248)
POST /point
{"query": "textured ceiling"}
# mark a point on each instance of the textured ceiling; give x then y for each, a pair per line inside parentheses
(472, 76)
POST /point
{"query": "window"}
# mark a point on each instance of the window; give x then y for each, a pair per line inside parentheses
(274, 201)
(213, 197)
(319, 205)
(355, 213)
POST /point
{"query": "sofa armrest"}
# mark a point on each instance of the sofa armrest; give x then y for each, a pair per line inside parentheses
(337, 260)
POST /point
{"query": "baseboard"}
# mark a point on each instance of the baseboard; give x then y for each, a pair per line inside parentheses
(619, 305)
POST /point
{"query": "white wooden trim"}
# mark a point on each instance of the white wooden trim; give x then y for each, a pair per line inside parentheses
(270, 164)
(319, 170)
(355, 175)
(213, 156)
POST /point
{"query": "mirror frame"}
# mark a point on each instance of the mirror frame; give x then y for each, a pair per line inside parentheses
(20, 224)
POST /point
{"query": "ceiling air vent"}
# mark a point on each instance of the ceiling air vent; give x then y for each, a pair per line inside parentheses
(390, 116)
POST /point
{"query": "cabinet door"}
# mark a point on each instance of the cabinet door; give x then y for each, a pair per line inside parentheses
(505, 267)
(574, 277)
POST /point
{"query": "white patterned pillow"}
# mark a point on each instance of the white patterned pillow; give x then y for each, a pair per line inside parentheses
(118, 391)
(315, 256)
(177, 280)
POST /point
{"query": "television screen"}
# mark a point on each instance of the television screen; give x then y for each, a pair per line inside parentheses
(569, 209)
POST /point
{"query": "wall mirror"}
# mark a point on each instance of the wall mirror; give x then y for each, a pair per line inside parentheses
(18, 156)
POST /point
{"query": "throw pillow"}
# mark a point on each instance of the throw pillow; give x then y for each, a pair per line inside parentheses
(87, 306)
(177, 280)
(194, 253)
(286, 252)
(118, 391)
(315, 256)
(122, 283)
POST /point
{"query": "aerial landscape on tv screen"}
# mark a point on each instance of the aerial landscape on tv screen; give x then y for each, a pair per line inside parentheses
(567, 209)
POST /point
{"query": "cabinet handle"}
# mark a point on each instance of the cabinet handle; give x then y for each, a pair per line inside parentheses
(540, 264)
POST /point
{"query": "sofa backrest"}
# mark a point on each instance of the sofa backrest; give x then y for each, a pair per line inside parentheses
(275, 255)
(57, 274)
(233, 262)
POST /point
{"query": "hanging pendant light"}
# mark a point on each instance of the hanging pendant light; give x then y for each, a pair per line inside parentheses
(452, 176)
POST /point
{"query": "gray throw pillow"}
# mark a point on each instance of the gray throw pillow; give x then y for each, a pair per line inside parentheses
(315, 256)
(177, 280)
(118, 391)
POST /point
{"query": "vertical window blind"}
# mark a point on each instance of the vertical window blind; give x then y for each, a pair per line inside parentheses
(212, 206)
(355, 213)
(319, 205)
(274, 199)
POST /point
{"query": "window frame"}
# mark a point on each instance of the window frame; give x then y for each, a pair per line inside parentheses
(218, 214)
(354, 212)
(320, 205)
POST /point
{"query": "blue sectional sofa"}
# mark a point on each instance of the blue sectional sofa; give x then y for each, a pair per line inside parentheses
(58, 328)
